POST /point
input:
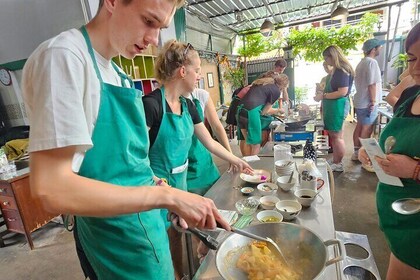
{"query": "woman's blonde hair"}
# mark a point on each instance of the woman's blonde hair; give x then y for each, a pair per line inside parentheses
(272, 77)
(172, 56)
(338, 59)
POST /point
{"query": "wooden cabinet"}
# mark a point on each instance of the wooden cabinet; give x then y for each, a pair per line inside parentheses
(21, 212)
(140, 69)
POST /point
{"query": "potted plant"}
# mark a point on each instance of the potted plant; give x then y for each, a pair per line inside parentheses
(234, 76)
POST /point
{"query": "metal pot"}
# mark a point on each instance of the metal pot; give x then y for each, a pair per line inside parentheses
(304, 251)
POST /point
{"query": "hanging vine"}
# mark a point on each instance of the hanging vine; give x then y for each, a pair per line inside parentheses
(310, 42)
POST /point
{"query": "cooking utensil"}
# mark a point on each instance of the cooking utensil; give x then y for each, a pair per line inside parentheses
(389, 144)
(291, 177)
(296, 123)
(257, 237)
(305, 251)
(406, 206)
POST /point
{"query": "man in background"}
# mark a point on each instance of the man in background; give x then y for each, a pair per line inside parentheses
(280, 65)
(368, 83)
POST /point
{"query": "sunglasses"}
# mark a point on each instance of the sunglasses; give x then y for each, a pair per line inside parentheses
(187, 48)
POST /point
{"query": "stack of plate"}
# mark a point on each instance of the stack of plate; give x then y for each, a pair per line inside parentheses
(284, 167)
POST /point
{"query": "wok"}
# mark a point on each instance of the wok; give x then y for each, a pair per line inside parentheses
(294, 123)
(304, 250)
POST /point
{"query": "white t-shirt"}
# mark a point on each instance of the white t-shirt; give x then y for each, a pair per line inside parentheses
(367, 73)
(62, 93)
(202, 96)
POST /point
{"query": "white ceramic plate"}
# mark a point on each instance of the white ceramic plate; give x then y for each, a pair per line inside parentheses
(260, 176)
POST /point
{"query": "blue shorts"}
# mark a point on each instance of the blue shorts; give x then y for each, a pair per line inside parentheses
(365, 117)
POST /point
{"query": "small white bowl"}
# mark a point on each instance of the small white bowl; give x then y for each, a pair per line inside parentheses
(247, 191)
(269, 216)
(282, 182)
(305, 196)
(289, 209)
(268, 202)
(267, 188)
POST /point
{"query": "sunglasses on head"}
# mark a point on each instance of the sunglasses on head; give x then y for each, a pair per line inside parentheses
(188, 47)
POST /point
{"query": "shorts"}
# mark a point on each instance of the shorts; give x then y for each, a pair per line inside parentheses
(365, 117)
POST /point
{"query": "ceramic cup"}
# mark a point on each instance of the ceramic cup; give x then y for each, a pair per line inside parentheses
(314, 184)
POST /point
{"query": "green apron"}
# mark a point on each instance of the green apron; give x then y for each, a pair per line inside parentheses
(276, 104)
(132, 246)
(169, 153)
(202, 172)
(402, 231)
(333, 109)
(256, 123)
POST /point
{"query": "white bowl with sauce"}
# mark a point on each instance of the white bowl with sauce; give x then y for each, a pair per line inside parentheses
(269, 216)
(268, 202)
(289, 209)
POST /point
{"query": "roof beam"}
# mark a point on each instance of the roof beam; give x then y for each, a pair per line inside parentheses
(355, 10)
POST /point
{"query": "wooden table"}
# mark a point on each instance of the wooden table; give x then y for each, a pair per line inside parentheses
(21, 212)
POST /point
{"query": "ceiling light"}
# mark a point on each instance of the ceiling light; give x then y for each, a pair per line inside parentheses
(340, 13)
(266, 27)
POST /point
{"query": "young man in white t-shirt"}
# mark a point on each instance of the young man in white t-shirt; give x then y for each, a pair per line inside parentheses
(368, 84)
(63, 95)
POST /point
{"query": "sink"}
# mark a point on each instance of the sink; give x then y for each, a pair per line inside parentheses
(21, 164)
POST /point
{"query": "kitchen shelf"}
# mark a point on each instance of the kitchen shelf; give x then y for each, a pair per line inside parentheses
(140, 69)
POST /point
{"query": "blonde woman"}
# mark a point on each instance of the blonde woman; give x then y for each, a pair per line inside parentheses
(254, 110)
(335, 102)
(172, 121)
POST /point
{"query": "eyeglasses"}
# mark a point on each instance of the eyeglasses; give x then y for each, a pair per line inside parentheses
(188, 47)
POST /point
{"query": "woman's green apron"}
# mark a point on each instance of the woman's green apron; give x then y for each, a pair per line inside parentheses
(132, 246)
(333, 110)
(169, 153)
(256, 123)
(202, 172)
(402, 231)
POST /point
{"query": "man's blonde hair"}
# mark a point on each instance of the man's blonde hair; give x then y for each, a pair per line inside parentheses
(178, 3)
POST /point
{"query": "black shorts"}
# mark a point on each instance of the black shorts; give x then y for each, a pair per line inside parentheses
(84, 263)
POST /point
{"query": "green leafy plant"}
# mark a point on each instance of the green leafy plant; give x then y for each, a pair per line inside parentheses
(400, 61)
(310, 42)
(256, 44)
(235, 76)
(300, 94)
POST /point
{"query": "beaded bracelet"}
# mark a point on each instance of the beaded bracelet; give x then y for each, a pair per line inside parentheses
(163, 180)
(416, 172)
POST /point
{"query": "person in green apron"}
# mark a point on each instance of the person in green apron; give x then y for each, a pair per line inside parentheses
(402, 232)
(335, 101)
(255, 110)
(89, 144)
(202, 172)
(172, 121)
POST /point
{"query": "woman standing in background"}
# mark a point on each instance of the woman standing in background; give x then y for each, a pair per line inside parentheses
(202, 172)
(172, 121)
(255, 110)
(335, 101)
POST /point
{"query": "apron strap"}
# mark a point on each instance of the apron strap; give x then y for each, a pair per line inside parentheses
(90, 49)
(162, 92)
(123, 76)
(401, 109)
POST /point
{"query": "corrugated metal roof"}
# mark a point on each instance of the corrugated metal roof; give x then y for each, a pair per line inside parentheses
(245, 15)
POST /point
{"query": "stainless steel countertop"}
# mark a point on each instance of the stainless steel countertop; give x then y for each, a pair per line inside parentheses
(386, 112)
(318, 217)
